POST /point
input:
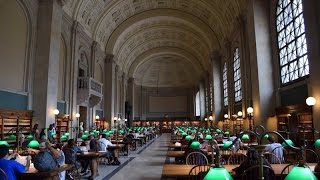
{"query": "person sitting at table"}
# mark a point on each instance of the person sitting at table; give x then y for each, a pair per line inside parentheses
(45, 147)
(94, 145)
(237, 143)
(10, 167)
(70, 150)
(252, 159)
(35, 132)
(110, 155)
(275, 148)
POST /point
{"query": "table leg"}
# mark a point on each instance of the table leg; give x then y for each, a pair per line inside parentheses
(94, 168)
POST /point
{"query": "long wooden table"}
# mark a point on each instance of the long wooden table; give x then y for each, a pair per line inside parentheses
(34, 174)
(92, 157)
(182, 170)
(175, 154)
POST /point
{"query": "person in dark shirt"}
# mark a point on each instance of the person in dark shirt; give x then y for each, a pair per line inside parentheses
(10, 167)
(70, 151)
(252, 160)
(94, 145)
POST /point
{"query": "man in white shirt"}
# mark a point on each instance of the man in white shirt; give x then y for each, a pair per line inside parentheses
(104, 144)
(275, 148)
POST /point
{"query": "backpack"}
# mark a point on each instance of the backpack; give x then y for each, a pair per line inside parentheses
(44, 161)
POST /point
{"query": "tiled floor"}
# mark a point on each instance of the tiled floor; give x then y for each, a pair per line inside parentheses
(143, 164)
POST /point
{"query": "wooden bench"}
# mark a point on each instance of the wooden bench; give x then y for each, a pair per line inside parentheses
(33, 174)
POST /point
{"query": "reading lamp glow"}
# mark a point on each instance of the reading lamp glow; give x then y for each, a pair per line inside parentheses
(55, 111)
(311, 101)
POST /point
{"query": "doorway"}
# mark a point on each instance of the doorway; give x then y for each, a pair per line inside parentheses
(83, 116)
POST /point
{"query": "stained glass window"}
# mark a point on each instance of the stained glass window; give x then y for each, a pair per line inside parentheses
(237, 76)
(292, 43)
(225, 84)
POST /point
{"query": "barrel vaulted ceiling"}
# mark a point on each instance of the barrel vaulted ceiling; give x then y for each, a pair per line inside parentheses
(160, 43)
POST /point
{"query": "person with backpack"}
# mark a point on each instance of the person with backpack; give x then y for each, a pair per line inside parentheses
(48, 158)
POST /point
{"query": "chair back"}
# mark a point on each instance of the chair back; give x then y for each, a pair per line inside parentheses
(197, 172)
(196, 158)
(272, 158)
(311, 156)
(3, 174)
(280, 152)
(236, 158)
(287, 168)
(252, 173)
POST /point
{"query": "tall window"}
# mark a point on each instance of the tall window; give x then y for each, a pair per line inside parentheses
(291, 40)
(207, 99)
(197, 104)
(237, 76)
(225, 84)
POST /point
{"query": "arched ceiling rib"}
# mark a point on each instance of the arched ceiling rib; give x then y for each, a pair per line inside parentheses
(171, 35)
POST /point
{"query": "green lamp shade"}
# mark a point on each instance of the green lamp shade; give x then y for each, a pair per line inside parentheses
(86, 132)
(245, 137)
(67, 134)
(91, 133)
(33, 144)
(84, 137)
(4, 143)
(104, 131)
(188, 138)
(30, 137)
(195, 145)
(12, 137)
(218, 131)
(218, 174)
(301, 173)
(227, 144)
(226, 133)
(64, 137)
(184, 134)
(317, 143)
(289, 141)
(208, 137)
(266, 136)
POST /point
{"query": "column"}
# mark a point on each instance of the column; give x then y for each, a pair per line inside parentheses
(131, 100)
(216, 83)
(109, 88)
(312, 24)
(202, 101)
(258, 34)
(46, 61)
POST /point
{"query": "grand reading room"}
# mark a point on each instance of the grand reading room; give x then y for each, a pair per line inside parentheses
(159, 89)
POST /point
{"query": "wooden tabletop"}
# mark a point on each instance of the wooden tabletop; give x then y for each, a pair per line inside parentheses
(91, 154)
(33, 172)
(182, 170)
(175, 154)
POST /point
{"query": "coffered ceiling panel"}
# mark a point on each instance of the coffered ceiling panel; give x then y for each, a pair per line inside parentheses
(149, 36)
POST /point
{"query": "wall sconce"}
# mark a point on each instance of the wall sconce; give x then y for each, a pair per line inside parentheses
(311, 101)
(55, 112)
(211, 120)
(250, 115)
(97, 117)
(77, 115)
(240, 114)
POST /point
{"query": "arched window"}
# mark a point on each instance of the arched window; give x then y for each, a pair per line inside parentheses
(292, 43)
(197, 104)
(211, 96)
(225, 84)
(237, 76)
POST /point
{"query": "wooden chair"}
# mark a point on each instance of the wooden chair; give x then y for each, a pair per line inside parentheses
(3, 174)
(311, 156)
(197, 172)
(196, 158)
(252, 173)
(287, 168)
(236, 158)
(272, 158)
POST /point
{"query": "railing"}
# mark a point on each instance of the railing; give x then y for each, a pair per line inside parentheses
(90, 84)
